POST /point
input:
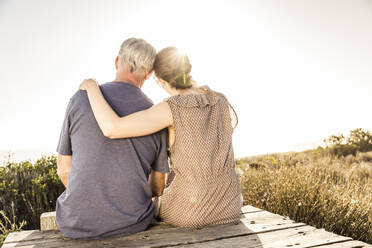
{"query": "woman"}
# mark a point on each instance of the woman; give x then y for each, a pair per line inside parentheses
(205, 189)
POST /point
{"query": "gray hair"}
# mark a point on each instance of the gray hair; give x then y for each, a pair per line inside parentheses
(138, 55)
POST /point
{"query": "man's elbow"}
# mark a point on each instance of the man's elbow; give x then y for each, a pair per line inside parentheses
(158, 191)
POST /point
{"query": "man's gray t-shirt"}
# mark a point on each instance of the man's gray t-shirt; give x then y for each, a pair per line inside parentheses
(108, 192)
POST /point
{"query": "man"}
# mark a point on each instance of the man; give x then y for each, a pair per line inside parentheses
(110, 183)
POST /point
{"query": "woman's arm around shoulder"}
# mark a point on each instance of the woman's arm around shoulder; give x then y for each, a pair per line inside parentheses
(141, 123)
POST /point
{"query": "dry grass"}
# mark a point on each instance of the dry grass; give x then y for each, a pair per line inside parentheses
(311, 187)
(321, 190)
(7, 225)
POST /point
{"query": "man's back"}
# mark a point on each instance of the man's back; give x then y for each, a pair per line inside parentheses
(108, 192)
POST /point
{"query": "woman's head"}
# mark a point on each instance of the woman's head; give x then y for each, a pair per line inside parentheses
(173, 67)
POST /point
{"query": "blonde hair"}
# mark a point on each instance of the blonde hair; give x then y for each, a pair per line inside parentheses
(173, 67)
(137, 55)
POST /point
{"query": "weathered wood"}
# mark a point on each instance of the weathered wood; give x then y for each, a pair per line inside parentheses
(48, 221)
(163, 238)
(251, 217)
(300, 237)
(257, 228)
(46, 236)
(250, 209)
(262, 222)
(23, 235)
(349, 244)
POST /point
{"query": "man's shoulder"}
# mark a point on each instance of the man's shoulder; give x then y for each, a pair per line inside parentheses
(79, 99)
(125, 92)
(79, 96)
(121, 97)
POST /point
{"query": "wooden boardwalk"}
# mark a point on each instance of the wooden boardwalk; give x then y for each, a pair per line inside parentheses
(257, 228)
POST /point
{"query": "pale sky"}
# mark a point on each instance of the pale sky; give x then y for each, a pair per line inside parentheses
(296, 71)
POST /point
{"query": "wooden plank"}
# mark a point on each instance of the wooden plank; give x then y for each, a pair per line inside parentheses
(48, 221)
(257, 221)
(263, 222)
(206, 234)
(299, 237)
(349, 244)
(47, 236)
(250, 209)
(35, 234)
(258, 229)
(252, 240)
(31, 235)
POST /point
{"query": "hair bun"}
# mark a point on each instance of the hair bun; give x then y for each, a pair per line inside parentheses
(182, 82)
(173, 67)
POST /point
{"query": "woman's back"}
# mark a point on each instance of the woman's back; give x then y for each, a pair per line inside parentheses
(206, 188)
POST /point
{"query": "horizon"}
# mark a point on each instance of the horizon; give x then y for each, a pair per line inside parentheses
(296, 72)
(34, 154)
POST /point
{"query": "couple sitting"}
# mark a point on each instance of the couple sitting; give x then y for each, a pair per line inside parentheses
(114, 148)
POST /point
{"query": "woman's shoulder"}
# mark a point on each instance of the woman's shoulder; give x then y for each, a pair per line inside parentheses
(207, 97)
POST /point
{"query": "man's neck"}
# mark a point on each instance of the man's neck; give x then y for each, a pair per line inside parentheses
(130, 79)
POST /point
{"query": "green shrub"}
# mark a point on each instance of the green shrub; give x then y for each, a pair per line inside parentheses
(32, 188)
(358, 140)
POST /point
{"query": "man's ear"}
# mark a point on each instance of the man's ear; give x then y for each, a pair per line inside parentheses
(117, 63)
(149, 75)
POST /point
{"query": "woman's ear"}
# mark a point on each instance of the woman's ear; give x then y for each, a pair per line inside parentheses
(117, 63)
(149, 75)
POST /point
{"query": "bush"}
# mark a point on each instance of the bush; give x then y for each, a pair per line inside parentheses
(358, 140)
(31, 188)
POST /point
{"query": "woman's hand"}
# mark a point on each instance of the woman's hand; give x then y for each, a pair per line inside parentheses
(88, 83)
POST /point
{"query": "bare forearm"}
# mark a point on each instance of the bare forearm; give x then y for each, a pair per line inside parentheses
(63, 168)
(157, 183)
(157, 190)
(105, 116)
(64, 179)
(141, 123)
